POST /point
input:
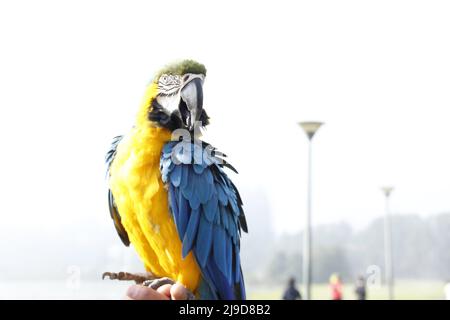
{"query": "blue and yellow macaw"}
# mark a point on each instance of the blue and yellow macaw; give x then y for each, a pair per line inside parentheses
(170, 197)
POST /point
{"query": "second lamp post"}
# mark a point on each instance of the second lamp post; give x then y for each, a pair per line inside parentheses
(310, 129)
(388, 263)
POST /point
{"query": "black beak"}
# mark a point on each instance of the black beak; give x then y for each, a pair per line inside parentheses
(191, 104)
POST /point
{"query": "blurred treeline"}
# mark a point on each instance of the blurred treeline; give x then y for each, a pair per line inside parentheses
(420, 251)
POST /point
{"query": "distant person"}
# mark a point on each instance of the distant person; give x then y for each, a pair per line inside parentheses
(360, 288)
(335, 287)
(447, 290)
(291, 292)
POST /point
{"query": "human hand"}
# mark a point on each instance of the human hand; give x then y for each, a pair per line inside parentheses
(165, 292)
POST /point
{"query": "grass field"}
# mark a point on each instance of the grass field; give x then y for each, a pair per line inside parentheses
(404, 290)
(116, 290)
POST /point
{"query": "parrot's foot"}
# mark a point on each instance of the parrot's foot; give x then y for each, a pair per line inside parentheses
(156, 283)
(139, 278)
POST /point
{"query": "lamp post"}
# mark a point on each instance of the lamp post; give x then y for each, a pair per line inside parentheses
(388, 263)
(310, 129)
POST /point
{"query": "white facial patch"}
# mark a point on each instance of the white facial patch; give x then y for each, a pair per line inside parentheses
(170, 103)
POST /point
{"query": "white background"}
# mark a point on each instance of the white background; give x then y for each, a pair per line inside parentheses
(72, 75)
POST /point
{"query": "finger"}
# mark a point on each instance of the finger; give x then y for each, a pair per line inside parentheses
(137, 292)
(165, 290)
(178, 292)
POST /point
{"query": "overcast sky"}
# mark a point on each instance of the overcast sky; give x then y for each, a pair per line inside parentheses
(72, 75)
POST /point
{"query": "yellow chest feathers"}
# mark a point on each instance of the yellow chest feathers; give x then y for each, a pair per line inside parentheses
(142, 201)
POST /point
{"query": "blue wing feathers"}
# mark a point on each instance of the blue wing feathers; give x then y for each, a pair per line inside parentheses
(229, 265)
(221, 194)
(206, 208)
(211, 207)
(198, 168)
(173, 200)
(209, 177)
(219, 249)
(237, 266)
(218, 281)
(204, 240)
(191, 231)
(175, 176)
(204, 191)
(185, 176)
(224, 218)
(183, 214)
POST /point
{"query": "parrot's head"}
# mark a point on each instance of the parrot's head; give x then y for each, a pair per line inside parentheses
(178, 99)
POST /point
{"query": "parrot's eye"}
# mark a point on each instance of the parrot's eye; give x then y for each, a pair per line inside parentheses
(185, 78)
(163, 78)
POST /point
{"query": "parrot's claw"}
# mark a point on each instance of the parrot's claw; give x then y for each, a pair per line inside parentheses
(139, 278)
(156, 283)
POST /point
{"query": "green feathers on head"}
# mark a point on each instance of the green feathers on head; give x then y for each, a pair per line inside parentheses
(182, 67)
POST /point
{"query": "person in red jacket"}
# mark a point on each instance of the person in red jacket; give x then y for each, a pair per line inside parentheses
(335, 287)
